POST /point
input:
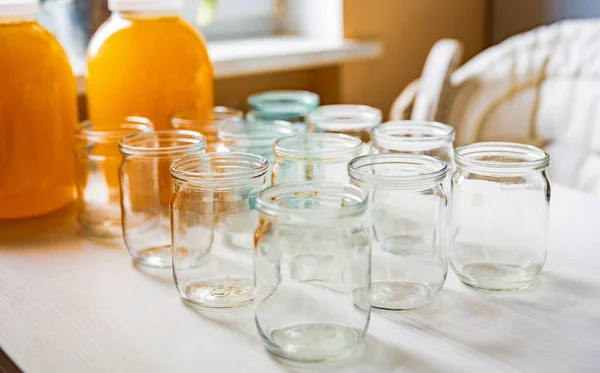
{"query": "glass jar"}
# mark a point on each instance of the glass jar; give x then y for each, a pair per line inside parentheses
(408, 215)
(312, 270)
(255, 137)
(499, 217)
(291, 106)
(415, 137)
(353, 120)
(213, 223)
(145, 185)
(209, 127)
(97, 168)
(314, 157)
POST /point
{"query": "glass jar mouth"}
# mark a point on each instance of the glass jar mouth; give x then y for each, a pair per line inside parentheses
(284, 104)
(257, 133)
(219, 170)
(397, 170)
(337, 118)
(167, 142)
(319, 147)
(501, 157)
(328, 200)
(109, 131)
(195, 120)
(411, 135)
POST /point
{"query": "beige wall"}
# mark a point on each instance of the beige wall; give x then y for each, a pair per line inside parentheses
(407, 29)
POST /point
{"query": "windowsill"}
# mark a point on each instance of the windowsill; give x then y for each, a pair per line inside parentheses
(275, 53)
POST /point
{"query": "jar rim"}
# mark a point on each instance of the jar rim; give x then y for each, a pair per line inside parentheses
(203, 169)
(332, 146)
(260, 133)
(195, 121)
(413, 135)
(111, 131)
(352, 201)
(511, 157)
(286, 103)
(153, 143)
(415, 170)
(344, 117)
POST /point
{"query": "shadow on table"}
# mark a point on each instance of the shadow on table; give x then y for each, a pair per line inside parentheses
(163, 276)
(549, 327)
(56, 227)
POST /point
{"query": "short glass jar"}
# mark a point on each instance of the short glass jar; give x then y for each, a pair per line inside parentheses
(415, 137)
(213, 222)
(499, 215)
(255, 137)
(353, 120)
(314, 157)
(312, 270)
(209, 127)
(97, 166)
(291, 106)
(408, 216)
(145, 185)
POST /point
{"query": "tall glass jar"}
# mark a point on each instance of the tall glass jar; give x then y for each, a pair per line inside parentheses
(97, 167)
(145, 185)
(353, 120)
(312, 270)
(314, 157)
(415, 137)
(213, 222)
(408, 216)
(256, 137)
(207, 125)
(499, 218)
(291, 106)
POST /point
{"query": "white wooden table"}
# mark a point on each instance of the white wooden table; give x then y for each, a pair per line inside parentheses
(68, 304)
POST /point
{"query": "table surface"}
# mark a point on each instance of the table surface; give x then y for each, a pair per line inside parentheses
(68, 304)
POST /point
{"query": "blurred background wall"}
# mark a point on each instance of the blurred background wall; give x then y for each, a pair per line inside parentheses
(407, 29)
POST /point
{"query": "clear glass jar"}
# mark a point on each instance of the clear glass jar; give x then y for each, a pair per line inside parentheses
(145, 185)
(312, 270)
(256, 137)
(97, 167)
(408, 215)
(213, 223)
(291, 106)
(499, 216)
(353, 120)
(314, 157)
(209, 127)
(415, 137)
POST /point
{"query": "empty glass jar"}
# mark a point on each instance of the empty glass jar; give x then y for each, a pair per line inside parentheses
(353, 120)
(291, 106)
(146, 189)
(499, 217)
(312, 270)
(97, 165)
(314, 157)
(197, 121)
(255, 137)
(408, 215)
(213, 222)
(415, 137)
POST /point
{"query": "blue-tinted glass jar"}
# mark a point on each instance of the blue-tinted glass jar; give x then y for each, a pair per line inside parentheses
(291, 106)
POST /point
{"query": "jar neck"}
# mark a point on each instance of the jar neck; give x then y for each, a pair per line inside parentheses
(501, 158)
(145, 16)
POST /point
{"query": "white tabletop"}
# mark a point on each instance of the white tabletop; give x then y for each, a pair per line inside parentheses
(68, 304)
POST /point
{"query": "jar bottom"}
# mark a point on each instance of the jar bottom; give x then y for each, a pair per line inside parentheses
(314, 342)
(111, 228)
(400, 296)
(155, 256)
(219, 293)
(498, 277)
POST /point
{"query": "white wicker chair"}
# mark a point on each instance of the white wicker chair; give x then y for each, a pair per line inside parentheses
(542, 88)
